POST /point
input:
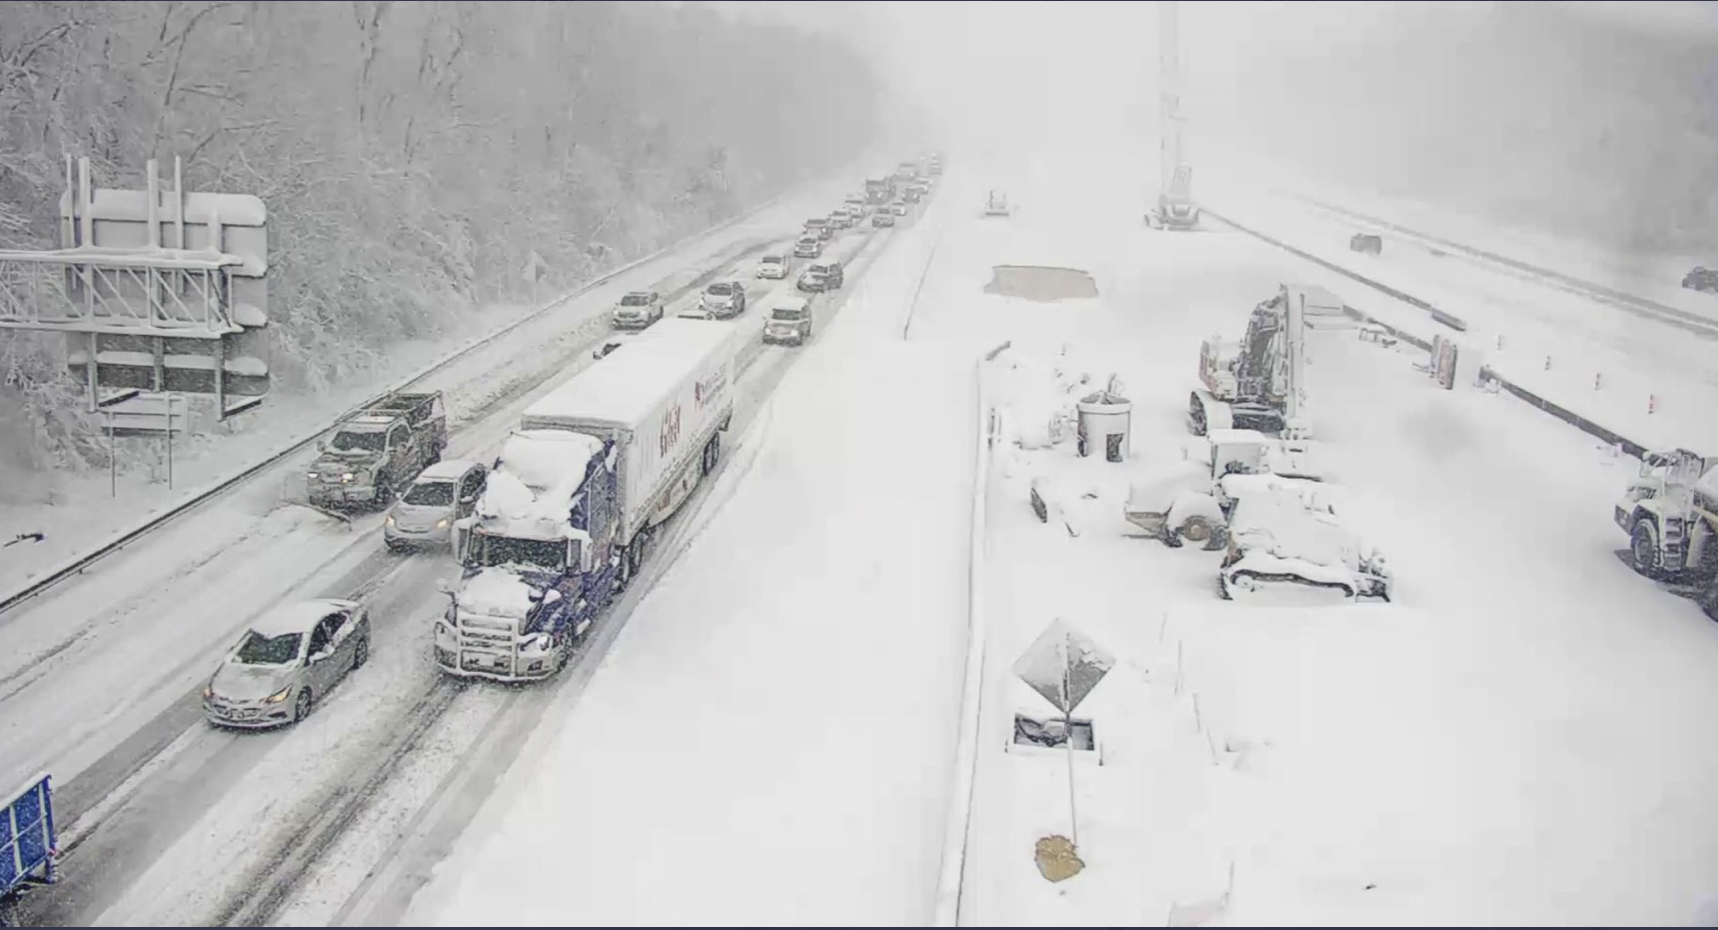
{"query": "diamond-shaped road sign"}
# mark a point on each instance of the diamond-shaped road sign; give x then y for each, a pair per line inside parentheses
(1063, 665)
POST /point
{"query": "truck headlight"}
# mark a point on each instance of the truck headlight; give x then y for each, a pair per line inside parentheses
(208, 691)
(439, 524)
(537, 642)
(346, 478)
(278, 696)
(313, 476)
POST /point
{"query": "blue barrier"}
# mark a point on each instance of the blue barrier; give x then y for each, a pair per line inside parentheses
(28, 842)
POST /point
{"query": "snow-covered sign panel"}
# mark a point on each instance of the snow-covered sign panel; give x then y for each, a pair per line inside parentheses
(1063, 665)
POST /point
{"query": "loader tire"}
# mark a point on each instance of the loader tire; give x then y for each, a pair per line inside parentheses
(1643, 547)
(1196, 529)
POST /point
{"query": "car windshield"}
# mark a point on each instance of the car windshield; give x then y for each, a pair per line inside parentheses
(772, 260)
(788, 313)
(348, 441)
(546, 555)
(720, 290)
(430, 494)
(635, 300)
(258, 649)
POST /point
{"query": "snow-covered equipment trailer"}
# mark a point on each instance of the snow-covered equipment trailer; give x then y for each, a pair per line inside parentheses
(1278, 546)
(1257, 382)
(29, 842)
(575, 498)
(1670, 512)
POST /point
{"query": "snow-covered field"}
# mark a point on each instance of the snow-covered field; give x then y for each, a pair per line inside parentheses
(1518, 738)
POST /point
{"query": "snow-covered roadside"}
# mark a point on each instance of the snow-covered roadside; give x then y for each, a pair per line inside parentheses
(771, 735)
(1519, 739)
(1649, 382)
(83, 511)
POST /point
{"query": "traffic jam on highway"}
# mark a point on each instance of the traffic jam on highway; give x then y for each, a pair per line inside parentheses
(561, 520)
(549, 518)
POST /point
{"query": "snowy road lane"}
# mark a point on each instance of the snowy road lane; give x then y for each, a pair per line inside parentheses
(769, 740)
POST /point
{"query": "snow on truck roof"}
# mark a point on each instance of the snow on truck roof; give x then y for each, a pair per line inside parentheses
(534, 482)
(629, 385)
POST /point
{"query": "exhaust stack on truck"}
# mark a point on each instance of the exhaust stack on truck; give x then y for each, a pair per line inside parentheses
(576, 494)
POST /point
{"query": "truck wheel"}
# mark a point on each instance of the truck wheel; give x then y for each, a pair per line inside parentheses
(384, 490)
(1643, 547)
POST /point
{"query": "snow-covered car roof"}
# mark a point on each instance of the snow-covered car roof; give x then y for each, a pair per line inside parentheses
(446, 470)
(298, 617)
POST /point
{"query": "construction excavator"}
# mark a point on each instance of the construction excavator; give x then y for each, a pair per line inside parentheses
(1257, 383)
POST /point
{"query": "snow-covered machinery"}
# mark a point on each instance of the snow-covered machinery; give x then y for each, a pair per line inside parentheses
(1670, 512)
(996, 203)
(1283, 541)
(1258, 382)
(1366, 243)
(1188, 501)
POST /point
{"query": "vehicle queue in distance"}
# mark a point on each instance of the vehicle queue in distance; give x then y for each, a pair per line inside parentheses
(388, 457)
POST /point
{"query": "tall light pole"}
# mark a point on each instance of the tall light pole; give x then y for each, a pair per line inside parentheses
(1175, 176)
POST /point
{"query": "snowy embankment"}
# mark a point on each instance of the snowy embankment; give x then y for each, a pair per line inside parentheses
(1521, 737)
(771, 735)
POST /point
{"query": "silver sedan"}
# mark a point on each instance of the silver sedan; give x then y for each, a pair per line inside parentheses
(288, 659)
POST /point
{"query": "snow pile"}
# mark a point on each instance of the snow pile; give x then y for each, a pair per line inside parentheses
(535, 481)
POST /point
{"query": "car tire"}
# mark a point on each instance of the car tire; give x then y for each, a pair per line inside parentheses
(384, 490)
(361, 653)
(303, 705)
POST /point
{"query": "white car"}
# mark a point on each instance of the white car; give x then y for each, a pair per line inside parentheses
(443, 493)
(287, 660)
(638, 310)
(772, 266)
(725, 299)
(807, 247)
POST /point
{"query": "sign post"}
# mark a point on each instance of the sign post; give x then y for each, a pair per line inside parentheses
(1064, 665)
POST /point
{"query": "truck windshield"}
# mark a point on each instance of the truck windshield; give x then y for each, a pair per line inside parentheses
(544, 555)
(430, 494)
(258, 649)
(359, 442)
